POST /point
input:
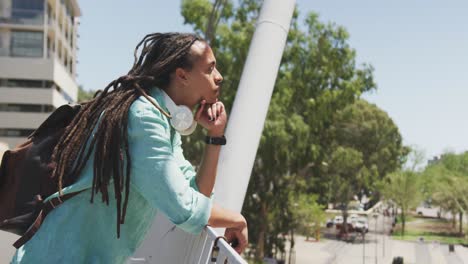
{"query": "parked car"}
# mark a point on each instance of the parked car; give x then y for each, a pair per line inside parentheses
(361, 225)
(329, 223)
(338, 220)
(353, 218)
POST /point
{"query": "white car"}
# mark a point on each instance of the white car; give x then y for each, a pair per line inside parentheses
(353, 218)
(361, 225)
(338, 220)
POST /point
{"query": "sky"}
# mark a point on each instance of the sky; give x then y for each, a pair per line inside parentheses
(419, 50)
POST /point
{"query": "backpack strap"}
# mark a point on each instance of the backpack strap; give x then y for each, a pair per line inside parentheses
(46, 208)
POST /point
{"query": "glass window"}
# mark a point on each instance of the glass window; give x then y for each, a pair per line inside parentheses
(11, 132)
(27, 43)
(25, 83)
(28, 12)
(32, 108)
(3, 45)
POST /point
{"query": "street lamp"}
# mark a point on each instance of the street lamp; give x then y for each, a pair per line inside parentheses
(375, 215)
(363, 246)
(383, 232)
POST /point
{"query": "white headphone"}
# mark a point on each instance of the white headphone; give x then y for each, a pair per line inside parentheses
(182, 117)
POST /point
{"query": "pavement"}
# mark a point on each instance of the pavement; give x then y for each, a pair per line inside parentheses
(6, 246)
(376, 248)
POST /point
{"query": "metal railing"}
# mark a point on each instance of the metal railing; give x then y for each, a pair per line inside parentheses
(206, 248)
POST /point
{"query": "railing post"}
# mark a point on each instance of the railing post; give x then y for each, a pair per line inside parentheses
(254, 93)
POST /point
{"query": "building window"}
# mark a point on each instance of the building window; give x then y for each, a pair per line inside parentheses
(12, 132)
(4, 36)
(28, 108)
(28, 12)
(27, 43)
(21, 83)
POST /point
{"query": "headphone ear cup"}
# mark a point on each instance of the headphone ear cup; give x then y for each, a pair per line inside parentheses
(182, 118)
(190, 130)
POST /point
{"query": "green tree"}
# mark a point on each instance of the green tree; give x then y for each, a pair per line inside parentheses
(348, 174)
(403, 188)
(447, 182)
(84, 95)
(368, 129)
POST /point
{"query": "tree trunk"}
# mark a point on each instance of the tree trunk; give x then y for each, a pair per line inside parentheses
(213, 20)
(291, 245)
(454, 215)
(345, 223)
(260, 250)
(461, 223)
(345, 219)
(403, 222)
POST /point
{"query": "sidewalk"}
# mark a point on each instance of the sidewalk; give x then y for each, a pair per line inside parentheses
(6, 246)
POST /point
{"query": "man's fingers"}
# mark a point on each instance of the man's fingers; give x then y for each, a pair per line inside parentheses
(221, 108)
(210, 113)
(200, 110)
(240, 248)
(214, 108)
(241, 242)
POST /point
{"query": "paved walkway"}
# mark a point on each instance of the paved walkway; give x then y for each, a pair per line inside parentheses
(6, 248)
(378, 248)
(337, 252)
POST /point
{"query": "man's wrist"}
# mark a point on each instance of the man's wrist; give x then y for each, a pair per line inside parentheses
(240, 222)
(216, 133)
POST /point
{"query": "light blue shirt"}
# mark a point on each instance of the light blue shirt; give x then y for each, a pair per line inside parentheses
(161, 180)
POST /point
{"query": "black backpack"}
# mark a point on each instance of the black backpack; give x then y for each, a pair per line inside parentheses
(26, 177)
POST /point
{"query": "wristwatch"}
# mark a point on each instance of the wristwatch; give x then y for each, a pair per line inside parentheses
(215, 140)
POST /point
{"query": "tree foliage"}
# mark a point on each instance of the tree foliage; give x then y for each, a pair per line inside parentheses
(317, 79)
(403, 188)
(446, 182)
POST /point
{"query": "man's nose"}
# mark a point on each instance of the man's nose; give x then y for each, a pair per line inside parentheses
(219, 78)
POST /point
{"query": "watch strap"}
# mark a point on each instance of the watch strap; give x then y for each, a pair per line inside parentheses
(215, 140)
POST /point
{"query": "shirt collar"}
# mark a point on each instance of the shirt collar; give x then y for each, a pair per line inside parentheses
(157, 94)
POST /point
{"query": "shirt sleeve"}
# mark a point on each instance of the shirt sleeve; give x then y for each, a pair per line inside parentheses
(158, 176)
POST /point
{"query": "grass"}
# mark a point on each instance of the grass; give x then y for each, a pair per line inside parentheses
(430, 229)
(409, 218)
(412, 235)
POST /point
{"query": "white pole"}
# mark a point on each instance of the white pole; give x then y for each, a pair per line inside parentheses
(251, 103)
(164, 244)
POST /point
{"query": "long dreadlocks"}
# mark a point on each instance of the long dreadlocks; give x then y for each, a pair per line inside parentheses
(161, 54)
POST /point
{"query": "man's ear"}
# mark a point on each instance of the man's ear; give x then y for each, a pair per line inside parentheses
(181, 74)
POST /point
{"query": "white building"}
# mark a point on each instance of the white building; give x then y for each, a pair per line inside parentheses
(37, 63)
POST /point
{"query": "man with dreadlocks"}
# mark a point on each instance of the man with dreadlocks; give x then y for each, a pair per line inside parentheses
(123, 144)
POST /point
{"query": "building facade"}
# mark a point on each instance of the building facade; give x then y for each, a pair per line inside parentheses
(37, 63)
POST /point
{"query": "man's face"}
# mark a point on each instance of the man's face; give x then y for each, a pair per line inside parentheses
(203, 80)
